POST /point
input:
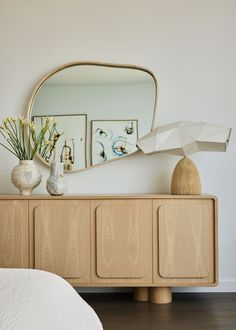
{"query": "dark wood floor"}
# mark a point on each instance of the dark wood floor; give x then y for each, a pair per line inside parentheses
(198, 311)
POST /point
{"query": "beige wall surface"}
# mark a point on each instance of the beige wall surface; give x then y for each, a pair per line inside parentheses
(190, 47)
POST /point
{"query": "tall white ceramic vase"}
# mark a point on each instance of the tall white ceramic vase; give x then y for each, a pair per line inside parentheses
(55, 184)
(26, 176)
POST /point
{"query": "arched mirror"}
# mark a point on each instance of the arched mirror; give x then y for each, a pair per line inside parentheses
(100, 110)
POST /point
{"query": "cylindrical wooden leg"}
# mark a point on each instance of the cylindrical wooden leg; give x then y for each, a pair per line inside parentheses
(141, 294)
(160, 295)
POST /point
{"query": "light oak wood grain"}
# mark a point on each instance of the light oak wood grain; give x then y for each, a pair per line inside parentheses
(185, 178)
(14, 234)
(141, 294)
(62, 238)
(184, 236)
(105, 197)
(123, 234)
(184, 242)
(160, 295)
(114, 240)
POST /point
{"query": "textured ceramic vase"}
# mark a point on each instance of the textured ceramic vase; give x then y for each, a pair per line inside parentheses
(55, 184)
(26, 176)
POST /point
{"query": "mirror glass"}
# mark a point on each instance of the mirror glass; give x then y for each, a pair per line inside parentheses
(100, 110)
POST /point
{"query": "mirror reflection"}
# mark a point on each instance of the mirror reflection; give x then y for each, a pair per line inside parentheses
(100, 110)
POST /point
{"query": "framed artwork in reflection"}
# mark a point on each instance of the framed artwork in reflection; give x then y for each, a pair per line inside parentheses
(112, 139)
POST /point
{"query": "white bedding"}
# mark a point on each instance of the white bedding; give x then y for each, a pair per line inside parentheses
(36, 300)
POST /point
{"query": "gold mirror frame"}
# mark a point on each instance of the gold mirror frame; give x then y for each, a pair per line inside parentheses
(102, 64)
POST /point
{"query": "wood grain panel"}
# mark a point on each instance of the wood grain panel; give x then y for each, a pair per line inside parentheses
(184, 235)
(62, 238)
(14, 234)
(184, 242)
(123, 232)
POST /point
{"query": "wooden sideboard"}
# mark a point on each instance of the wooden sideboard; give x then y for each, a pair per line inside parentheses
(149, 242)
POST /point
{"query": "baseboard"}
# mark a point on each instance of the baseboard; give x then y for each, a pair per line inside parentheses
(224, 286)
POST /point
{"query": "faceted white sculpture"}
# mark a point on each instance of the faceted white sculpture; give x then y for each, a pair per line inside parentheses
(184, 138)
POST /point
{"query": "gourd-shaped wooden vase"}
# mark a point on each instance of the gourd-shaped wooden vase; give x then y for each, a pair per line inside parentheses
(185, 178)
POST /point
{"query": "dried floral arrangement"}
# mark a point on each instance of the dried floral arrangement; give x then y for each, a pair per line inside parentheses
(25, 140)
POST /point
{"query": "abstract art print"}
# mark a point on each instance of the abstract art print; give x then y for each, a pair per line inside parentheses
(70, 148)
(113, 139)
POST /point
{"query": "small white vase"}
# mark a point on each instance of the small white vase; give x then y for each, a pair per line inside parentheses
(26, 176)
(55, 184)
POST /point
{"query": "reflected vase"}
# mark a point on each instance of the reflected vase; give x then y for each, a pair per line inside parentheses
(55, 184)
(26, 176)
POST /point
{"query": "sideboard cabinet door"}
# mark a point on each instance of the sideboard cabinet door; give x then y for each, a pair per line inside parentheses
(14, 234)
(122, 241)
(61, 238)
(184, 241)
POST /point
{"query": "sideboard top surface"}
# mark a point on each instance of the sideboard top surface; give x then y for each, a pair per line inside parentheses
(105, 196)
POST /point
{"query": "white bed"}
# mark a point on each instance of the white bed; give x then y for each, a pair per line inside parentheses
(36, 300)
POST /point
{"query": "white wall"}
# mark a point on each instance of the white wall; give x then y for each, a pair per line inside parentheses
(188, 44)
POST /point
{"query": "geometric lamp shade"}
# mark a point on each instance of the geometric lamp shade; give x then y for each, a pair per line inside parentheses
(184, 138)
